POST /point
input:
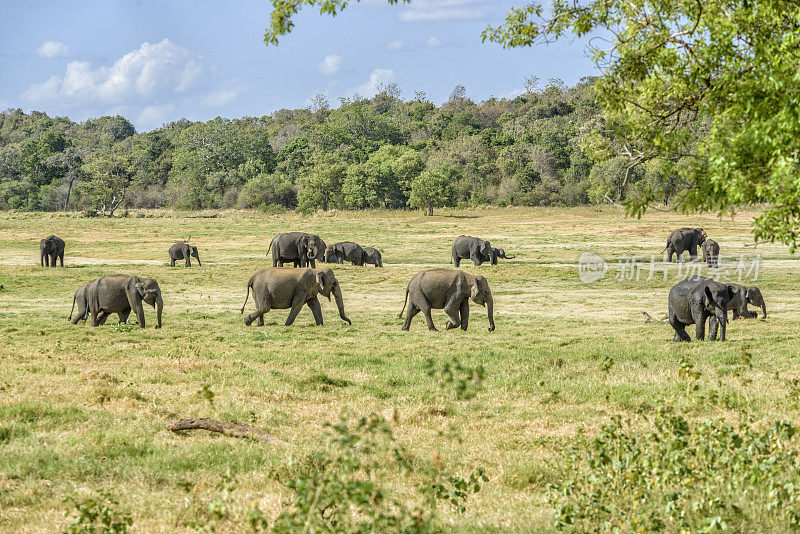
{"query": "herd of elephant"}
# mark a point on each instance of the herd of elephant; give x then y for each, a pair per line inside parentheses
(698, 299)
(694, 300)
(292, 288)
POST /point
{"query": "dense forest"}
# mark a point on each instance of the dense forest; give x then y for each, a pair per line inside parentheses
(381, 152)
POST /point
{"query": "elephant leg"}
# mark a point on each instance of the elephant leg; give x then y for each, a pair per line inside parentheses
(172, 262)
(453, 309)
(261, 309)
(188, 262)
(297, 305)
(53, 260)
(680, 329)
(61, 259)
(456, 261)
(316, 309)
(140, 314)
(700, 328)
(464, 314)
(425, 308)
(101, 319)
(713, 327)
(412, 311)
(123, 315)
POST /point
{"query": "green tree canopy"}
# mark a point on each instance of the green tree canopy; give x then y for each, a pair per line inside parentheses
(715, 82)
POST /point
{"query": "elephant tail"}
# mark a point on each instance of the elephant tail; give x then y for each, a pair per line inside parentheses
(73, 308)
(269, 247)
(249, 285)
(404, 304)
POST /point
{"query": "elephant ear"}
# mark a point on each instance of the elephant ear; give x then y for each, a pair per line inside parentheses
(476, 287)
(139, 289)
(708, 298)
(322, 279)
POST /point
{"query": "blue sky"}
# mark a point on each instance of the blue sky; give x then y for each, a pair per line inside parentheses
(155, 61)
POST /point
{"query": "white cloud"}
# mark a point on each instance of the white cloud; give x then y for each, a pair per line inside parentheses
(445, 10)
(433, 42)
(395, 45)
(221, 97)
(151, 70)
(51, 49)
(330, 65)
(376, 78)
(153, 116)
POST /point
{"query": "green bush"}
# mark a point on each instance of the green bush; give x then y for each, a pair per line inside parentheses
(680, 476)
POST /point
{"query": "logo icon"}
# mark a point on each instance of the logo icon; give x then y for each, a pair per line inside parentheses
(591, 267)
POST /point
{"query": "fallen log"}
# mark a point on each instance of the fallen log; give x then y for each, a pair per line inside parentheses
(649, 318)
(229, 429)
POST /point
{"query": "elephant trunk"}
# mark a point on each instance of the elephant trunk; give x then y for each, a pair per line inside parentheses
(764, 309)
(337, 294)
(490, 312)
(198, 261)
(159, 307)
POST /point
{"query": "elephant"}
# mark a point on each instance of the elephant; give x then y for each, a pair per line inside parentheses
(344, 251)
(285, 288)
(299, 247)
(473, 248)
(695, 299)
(181, 251)
(82, 299)
(121, 293)
(744, 296)
(447, 289)
(50, 248)
(710, 250)
(682, 240)
(373, 257)
(499, 253)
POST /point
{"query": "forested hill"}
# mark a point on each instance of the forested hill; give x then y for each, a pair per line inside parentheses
(367, 153)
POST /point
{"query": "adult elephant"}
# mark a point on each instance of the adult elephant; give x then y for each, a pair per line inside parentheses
(499, 253)
(121, 293)
(695, 299)
(450, 290)
(742, 296)
(50, 248)
(279, 288)
(345, 251)
(682, 240)
(81, 298)
(183, 251)
(473, 248)
(373, 256)
(300, 248)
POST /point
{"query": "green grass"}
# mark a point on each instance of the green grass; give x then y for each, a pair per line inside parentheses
(84, 409)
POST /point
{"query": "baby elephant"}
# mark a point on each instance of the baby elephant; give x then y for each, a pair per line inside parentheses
(373, 257)
(499, 253)
(694, 300)
(710, 250)
(120, 294)
(450, 290)
(281, 288)
(82, 299)
(181, 251)
(742, 296)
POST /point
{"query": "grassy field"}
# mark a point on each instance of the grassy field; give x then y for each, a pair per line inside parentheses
(84, 409)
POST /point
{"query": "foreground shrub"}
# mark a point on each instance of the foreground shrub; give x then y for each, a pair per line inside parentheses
(680, 476)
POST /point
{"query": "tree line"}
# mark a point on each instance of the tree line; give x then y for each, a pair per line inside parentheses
(534, 149)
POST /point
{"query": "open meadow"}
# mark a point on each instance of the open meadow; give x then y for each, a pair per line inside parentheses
(84, 409)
